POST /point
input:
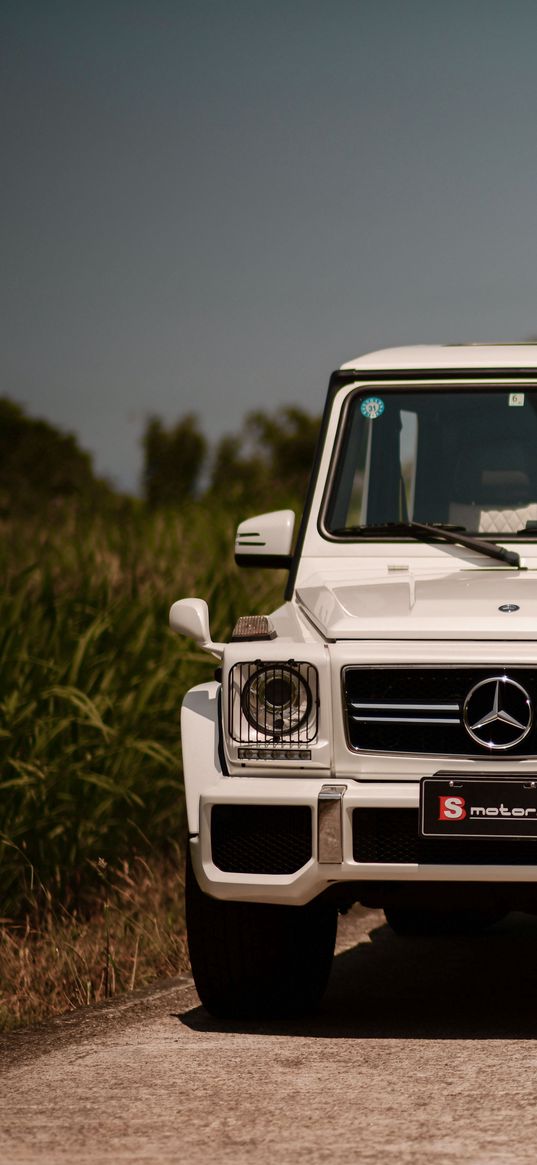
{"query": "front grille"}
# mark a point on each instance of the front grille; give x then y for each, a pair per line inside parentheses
(391, 835)
(420, 709)
(260, 839)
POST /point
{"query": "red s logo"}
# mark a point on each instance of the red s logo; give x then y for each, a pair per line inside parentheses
(452, 808)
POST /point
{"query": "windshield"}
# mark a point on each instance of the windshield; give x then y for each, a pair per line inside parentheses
(461, 458)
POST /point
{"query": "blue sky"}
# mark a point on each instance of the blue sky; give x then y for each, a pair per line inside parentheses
(208, 206)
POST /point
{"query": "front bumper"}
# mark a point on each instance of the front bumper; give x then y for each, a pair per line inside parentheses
(316, 874)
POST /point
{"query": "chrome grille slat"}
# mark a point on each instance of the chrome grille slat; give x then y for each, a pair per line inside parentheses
(406, 719)
(410, 707)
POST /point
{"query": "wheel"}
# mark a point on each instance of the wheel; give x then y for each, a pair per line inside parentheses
(255, 960)
(411, 921)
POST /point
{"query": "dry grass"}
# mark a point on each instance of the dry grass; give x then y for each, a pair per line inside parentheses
(92, 801)
(134, 935)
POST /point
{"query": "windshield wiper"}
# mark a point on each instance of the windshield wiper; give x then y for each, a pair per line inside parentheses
(427, 533)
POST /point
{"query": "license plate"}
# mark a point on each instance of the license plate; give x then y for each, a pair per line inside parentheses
(478, 807)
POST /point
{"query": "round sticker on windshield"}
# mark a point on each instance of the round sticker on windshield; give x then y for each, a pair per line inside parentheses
(372, 407)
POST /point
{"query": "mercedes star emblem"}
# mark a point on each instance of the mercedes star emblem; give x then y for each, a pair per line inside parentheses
(497, 713)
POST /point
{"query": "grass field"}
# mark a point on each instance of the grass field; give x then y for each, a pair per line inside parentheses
(92, 819)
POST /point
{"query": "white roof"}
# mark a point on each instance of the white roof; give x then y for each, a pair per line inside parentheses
(435, 356)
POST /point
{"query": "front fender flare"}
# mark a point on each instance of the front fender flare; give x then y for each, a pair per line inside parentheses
(200, 736)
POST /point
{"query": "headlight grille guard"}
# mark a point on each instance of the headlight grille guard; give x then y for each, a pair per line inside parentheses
(273, 703)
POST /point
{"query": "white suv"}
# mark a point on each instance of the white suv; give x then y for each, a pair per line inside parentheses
(374, 739)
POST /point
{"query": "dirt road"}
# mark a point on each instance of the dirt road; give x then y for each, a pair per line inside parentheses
(424, 1052)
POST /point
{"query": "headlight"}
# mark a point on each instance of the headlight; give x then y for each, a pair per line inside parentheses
(276, 700)
(273, 703)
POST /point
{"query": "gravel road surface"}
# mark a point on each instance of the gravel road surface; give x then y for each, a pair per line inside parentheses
(424, 1052)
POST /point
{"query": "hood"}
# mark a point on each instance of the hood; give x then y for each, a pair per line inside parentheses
(460, 605)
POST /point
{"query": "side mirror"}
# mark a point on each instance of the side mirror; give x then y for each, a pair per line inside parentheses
(266, 540)
(190, 617)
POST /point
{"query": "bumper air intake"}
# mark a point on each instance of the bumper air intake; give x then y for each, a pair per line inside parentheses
(391, 835)
(261, 839)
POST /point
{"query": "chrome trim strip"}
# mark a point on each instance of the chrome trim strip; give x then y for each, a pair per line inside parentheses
(409, 707)
(329, 824)
(406, 719)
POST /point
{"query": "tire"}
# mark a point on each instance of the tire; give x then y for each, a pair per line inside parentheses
(411, 921)
(251, 960)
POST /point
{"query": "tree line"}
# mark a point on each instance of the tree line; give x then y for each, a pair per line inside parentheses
(265, 465)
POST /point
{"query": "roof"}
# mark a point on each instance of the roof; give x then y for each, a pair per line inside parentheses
(437, 356)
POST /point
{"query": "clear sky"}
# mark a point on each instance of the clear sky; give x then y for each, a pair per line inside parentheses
(209, 205)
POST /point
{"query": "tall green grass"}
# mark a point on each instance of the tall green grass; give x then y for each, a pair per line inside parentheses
(91, 683)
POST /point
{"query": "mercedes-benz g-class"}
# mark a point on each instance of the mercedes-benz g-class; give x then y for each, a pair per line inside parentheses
(374, 739)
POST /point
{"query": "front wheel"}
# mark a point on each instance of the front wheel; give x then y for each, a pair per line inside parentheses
(254, 960)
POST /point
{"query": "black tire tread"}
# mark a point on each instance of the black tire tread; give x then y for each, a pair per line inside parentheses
(255, 960)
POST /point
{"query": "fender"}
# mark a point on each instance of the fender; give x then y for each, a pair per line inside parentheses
(200, 734)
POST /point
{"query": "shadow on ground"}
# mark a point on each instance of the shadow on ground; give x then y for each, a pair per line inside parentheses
(484, 986)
